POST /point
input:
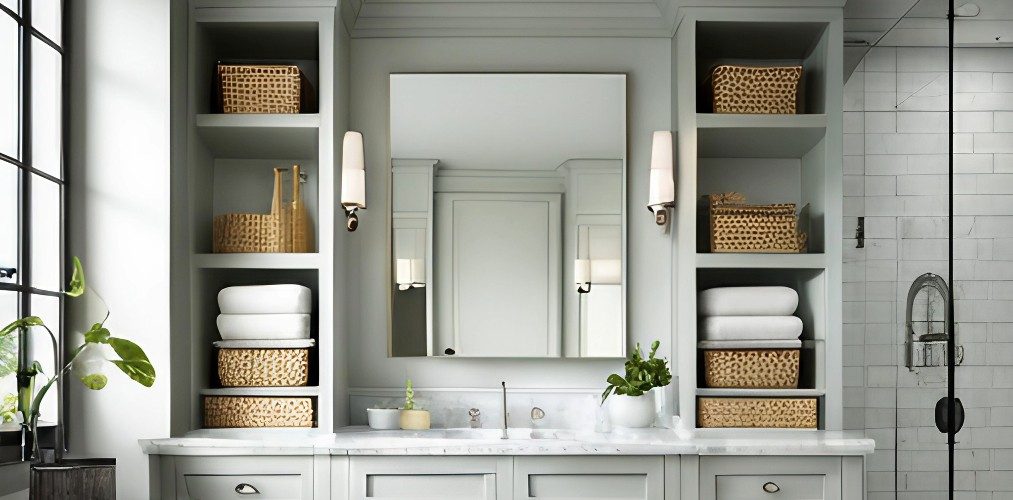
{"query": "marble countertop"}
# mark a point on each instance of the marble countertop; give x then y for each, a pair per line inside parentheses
(655, 441)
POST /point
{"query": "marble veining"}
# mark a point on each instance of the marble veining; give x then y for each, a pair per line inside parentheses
(357, 440)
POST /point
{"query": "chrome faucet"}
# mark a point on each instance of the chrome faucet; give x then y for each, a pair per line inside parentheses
(476, 415)
(505, 434)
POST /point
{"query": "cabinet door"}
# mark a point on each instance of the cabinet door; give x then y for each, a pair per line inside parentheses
(781, 478)
(612, 477)
(409, 478)
(217, 478)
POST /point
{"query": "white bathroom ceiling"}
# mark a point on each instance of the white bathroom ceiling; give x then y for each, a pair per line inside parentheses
(644, 18)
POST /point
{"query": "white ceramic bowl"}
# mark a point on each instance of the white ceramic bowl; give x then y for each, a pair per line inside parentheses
(383, 418)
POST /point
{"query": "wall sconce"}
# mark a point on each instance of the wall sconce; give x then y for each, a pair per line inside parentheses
(353, 178)
(582, 275)
(662, 189)
(409, 273)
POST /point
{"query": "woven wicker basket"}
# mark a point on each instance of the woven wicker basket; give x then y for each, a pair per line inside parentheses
(780, 413)
(751, 368)
(259, 88)
(737, 227)
(263, 367)
(755, 90)
(244, 411)
(285, 229)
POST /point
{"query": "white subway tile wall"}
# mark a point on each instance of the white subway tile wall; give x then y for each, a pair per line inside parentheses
(895, 168)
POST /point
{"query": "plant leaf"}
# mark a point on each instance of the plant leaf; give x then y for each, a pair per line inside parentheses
(26, 322)
(140, 371)
(76, 286)
(95, 381)
(98, 335)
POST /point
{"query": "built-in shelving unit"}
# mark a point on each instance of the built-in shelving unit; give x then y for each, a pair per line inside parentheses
(228, 168)
(770, 159)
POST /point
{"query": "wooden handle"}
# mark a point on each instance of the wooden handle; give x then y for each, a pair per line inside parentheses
(276, 198)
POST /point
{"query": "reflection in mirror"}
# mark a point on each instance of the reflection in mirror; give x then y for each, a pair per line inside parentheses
(508, 232)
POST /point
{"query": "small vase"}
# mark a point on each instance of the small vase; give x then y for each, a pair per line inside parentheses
(415, 420)
(632, 411)
(383, 418)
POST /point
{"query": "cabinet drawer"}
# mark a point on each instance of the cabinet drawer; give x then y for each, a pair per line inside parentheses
(780, 487)
(401, 478)
(626, 478)
(789, 478)
(220, 487)
(266, 477)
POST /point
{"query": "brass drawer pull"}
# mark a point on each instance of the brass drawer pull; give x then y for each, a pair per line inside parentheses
(770, 487)
(247, 489)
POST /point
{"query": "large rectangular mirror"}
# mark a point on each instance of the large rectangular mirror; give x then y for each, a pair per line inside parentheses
(508, 220)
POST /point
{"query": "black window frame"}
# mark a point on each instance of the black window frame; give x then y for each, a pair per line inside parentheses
(27, 176)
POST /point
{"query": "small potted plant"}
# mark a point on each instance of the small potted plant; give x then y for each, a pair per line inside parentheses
(413, 418)
(632, 403)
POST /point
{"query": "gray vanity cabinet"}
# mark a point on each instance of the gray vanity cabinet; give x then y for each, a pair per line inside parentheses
(406, 478)
(784, 478)
(604, 477)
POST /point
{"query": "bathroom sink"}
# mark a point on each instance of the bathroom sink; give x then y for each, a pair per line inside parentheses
(484, 434)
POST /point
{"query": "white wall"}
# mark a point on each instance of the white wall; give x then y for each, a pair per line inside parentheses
(646, 61)
(118, 222)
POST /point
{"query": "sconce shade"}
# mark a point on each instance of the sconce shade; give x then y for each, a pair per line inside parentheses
(582, 271)
(353, 175)
(403, 272)
(662, 188)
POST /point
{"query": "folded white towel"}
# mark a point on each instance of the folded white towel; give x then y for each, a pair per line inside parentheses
(750, 328)
(264, 326)
(747, 301)
(266, 299)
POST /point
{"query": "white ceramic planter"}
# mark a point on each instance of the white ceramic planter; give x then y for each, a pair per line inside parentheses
(631, 411)
(383, 418)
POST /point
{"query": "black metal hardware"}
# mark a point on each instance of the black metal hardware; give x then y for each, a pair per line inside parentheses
(449, 352)
(860, 233)
(247, 489)
(942, 415)
(8, 272)
(771, 487)
(584, 287)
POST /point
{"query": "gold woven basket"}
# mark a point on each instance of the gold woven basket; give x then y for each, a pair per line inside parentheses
(246, 412)
(779, 413)
(263, 367)
(285, 229)
(259, 88)
(737, 227)
(751, 368)
(755, 90)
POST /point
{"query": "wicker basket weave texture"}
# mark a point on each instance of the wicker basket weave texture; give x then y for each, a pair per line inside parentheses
(259, 88)
(249, 411)
(285, 229)
(752, 368)
(741, 228)
(755, 90)
(263, 367)
(781, 413)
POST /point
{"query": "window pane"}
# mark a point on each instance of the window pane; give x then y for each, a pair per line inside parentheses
(45, 258)
(46, 123)
(8, 354)
(11, 4)
(47, 308)
(47, 19)
(10, 119)
(9, 220)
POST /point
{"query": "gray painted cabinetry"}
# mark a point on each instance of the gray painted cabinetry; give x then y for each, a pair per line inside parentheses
(671, 477)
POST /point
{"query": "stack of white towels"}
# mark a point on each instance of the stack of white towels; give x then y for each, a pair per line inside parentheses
(749, 313)
(265, 312)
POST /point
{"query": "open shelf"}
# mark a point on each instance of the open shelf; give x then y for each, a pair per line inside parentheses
(749, 344)
(761, 260)
(261, 136)
(760, 393)
(256, 260)
(758, 136)
(305, 391)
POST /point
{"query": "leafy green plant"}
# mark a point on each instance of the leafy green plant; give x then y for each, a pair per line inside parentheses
(8, 408)
(642, 374)
(86, 360)
(409, 396)
(8, 356)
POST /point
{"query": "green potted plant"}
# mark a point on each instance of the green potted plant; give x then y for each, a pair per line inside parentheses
(413, 417)
(86, 361)
(633, 401)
